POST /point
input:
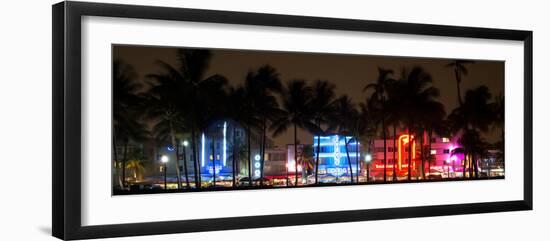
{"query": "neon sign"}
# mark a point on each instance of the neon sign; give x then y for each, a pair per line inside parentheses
(203, 140)
(217, 169)
(257, 165)
(404, 140)
(337, 171)
(333, 154)
(337, 155)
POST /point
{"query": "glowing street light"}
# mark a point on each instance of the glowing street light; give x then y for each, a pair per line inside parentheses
(368, 158)
(185, 143)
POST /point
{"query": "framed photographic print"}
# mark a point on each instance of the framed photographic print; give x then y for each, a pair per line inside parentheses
(170, 120)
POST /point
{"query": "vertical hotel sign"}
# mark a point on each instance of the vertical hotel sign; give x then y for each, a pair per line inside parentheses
(336, 169)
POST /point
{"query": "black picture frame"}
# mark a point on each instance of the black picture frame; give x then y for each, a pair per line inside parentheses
(66, 197)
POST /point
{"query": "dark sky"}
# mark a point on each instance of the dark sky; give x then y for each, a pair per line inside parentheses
(350, 73)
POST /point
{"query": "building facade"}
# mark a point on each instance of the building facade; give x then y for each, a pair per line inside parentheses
(440, 156)
(339, 157)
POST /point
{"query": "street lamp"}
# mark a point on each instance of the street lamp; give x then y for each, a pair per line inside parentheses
(185, 144)
(368, 157)
(164, 160)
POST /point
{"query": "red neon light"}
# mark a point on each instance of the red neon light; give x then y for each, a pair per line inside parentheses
(404, 139)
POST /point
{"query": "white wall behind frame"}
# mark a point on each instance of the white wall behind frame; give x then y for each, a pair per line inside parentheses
(26, 34)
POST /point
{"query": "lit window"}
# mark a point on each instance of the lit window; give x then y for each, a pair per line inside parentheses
(445, 139)
(433, 152)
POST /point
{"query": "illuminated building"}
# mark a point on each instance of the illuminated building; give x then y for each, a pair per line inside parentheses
(216, 150)
(334, 151)
(447, 159)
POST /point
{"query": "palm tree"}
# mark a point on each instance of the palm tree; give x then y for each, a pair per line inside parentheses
(395, 110)
(379, 97)
(475, 115)
(322, 113)
(364, 131)
(238, 112)
(185, 169)
(431, 116)
(416, 89)
(170, 122)
(346, 110)
(241, 109)
(126, 102)
(295, 102)
(137, 166)
(261, 86)
(459, 68)
(196, 96)
(475, 148)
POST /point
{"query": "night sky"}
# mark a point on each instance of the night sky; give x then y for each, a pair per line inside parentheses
(350, 73)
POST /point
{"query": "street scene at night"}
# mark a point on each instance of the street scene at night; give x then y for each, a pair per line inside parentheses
(191, 119)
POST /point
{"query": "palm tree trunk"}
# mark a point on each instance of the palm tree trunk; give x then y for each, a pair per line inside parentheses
(234, 162)
(430, 133)
(124, 155)
(371, 143)
(185, 167)
(295, 156)
(349, 159)
(262, 151)
(410, 151)
(464, 162)
(196, 165)
(248, 153)
(174, 145)
(458, 80)
(422, 156)
(470, 165)
(385, 150)
(317, 156)
(213, 148)
(305, 167)
(394, 148)
(357, 159)
(476, 174)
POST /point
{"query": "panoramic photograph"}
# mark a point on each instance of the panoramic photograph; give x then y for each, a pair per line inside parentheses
(205, 119)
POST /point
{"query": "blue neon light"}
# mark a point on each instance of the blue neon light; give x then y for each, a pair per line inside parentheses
(333, 154)
(203, 140)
